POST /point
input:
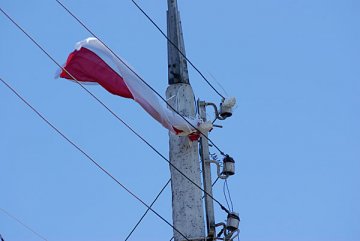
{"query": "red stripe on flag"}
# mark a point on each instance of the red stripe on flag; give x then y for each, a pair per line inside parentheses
(86, 66)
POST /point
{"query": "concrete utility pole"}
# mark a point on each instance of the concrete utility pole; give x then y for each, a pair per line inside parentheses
(187, 205)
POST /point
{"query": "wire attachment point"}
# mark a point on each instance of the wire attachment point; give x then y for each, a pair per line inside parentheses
(225, 109)
(230, 230)
(226, 106)
(228, 167)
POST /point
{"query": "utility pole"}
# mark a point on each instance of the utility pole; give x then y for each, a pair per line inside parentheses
(187, 207)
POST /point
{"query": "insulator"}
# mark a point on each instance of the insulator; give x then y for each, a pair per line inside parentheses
(225, 111)
(226, 107)
(233, 221)
(228, 166)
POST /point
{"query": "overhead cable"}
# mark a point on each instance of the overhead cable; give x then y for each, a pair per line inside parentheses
(113, 113)
(21, 222)
(137, 75)
(147, 210)
(87, 155)
(227, 187)
(202, 198)
(142, 217)
(227, 195)
(176, 47)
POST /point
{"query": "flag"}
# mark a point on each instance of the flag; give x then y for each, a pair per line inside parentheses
(92, 62)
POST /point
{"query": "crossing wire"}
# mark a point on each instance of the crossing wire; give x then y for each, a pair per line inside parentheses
(143, 216)
(137, 75)
(147, 210)
(176, 47)
(22, 223)
(87, 155)
(203, 197)
(113, 113)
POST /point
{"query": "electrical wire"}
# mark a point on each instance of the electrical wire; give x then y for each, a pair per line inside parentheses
(226, 199)
(113, 113)
(22, 224)
(137, 75)
(87, 155)
(147, 210)
(177, 48)
(203, 197)
(154, 203)
(226, 196)
(218, 83)
(215, 181)
(227, 187)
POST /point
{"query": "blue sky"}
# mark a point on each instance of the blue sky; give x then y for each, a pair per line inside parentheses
(293, 66)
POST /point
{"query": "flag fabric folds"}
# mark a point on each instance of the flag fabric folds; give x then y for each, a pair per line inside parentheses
(93, 62)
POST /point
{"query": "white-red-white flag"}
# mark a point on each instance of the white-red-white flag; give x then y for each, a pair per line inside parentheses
(93, 62)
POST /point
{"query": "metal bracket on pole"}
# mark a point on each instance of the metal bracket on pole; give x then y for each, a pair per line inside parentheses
(228, 167)
(206, 172)
(220, 174)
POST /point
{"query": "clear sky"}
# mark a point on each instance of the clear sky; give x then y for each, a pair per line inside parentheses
(294, 66)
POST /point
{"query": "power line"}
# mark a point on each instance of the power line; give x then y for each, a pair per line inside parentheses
(177, 48)
(113, 113)
(87, 155)
(142, 217)
(228, 194)
(215, 181)
(137, 75)
(227, 187)
(147, 210)
(20, 222)
(202, 198)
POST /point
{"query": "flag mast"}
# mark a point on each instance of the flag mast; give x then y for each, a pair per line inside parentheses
(187, 206)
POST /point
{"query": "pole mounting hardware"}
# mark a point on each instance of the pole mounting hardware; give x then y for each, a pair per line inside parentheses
(228, 167)
(225, 109)
(230, 230)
